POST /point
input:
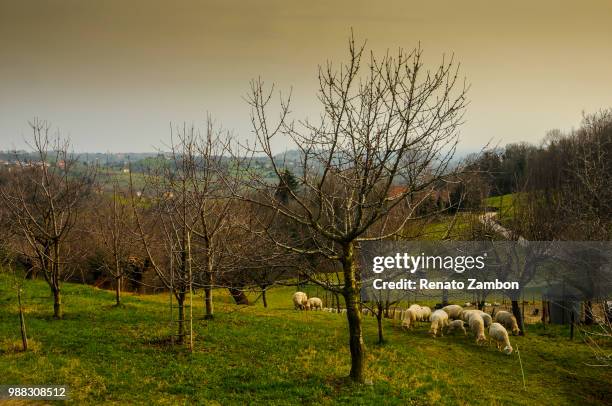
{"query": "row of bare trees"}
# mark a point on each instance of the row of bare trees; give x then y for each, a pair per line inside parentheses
(209, 213)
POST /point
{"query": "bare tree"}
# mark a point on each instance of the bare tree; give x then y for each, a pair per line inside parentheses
(386, 123)
(44, 197)
(164, 219)
(113, 229)
(213, 207)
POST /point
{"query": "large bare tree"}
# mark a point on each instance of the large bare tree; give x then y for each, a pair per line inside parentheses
(44, 196)
(385, 122)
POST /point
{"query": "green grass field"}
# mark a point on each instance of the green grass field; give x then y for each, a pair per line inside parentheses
(505, 205)
(252, 355)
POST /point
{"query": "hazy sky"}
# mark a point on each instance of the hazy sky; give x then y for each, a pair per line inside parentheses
(113, 74)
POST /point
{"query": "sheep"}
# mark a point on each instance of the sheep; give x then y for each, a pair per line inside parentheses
(417, 311)
(507, 320)
(496, 304)
(408, 318)
(315, 303)
(425, 313)
(465, 314)
(453, 311)
(454, 326)
(487, 304)
(486, 317)
(467, 304)
(439, 320)
(477, 327)
(300, 300)
(498, 333)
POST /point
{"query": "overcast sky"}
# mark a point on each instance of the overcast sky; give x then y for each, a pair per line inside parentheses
(114, 74)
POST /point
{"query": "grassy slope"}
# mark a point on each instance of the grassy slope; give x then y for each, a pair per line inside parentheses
(275, 356)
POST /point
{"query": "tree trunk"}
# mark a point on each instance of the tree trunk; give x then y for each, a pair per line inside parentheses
(263, 297)
(24, 336)
(208, 292)
(444, 297)
(57, 303)
(351, 297)
(379, 322)
(208, 302)
(118, 291)
(588, 313)
(180, 302)
(516, 311)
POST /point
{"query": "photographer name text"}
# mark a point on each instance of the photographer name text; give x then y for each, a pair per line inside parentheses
(426, 284)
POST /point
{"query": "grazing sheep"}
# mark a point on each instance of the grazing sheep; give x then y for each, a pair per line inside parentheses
(487, 304)
(425, 313)
(465, 314)
(467, 304)
(477, 327)
(486, 317)
(314, 303)
(507, 320)
(453, 311)
(498, 333)
(439, 320)
(456, 325)
(496, 304)
(417, 311)
(409, 317)
(300, 300)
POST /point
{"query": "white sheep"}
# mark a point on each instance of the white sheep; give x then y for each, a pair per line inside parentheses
(453, 311)
(418, 311)
(507, 320)
(498, 333)
(477, 327)
(456, 325)
(300, 300)
(465, 314)
(486, 317)
(467, 304)
(409, 317)
(496, 304)
(314, 303)
(439, 320)
(425, 313)
(487, 304)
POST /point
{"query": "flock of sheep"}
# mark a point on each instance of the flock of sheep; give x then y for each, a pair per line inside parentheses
(448, 319)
